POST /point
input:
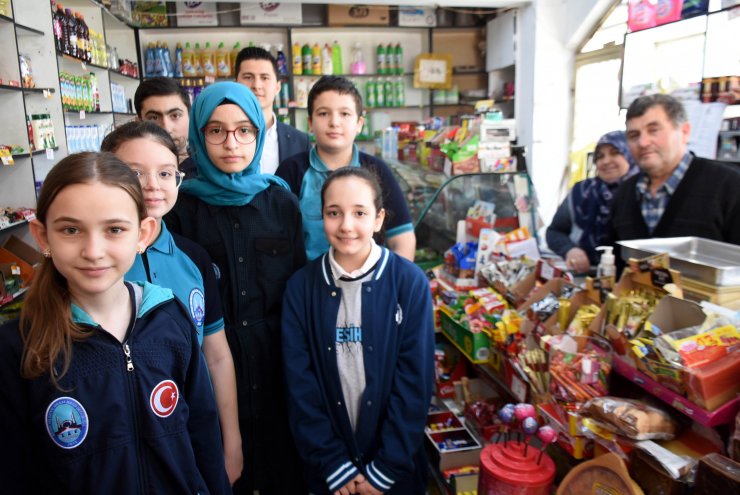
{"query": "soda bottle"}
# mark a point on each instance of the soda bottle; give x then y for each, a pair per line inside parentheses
(306, 55)
(297, 59)
(370, 93)
(58, 22)
(316, 59)
(71, 33)
(83, 39)
(381, 59)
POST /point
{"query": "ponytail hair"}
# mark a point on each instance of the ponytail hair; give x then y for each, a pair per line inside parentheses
(46, 324)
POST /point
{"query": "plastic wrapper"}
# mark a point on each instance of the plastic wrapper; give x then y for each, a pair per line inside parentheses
(27, 80)
(629, 418)
(699, 345)
(579, 367)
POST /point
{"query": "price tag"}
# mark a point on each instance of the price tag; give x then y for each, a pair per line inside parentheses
(84, 67)
(282, 111)
(47, 95)
(82, 115)
(547, 272)
(49, 153)
(15, 270)
(210, 79)
(519, 388)
(7, 160)
(4, 222)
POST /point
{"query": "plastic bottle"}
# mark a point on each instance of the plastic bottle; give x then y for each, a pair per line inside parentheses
(399, 59)
(606, 262)
(370, 93)
(302, 93)
(222, 61)
(380, 93)
(95, 92)
(58, 22)
(197, 61)
(316, 59)
(83, 39)
(389, 91)
(209, 66)
(297, 59)
(381, 59)
(327, 60)
(400, 92)
(358, 60)
(178, 60)
(285, 95)
(282, 62)
(336, 58)
(169, 67)
(232, 58)
(188, 65)
(390, 59)
(71, 33)
(306, 55)
(149, 60)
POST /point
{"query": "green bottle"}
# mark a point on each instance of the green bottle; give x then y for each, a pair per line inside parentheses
(382, 60)
(370, 93)
(336, 55)
(399, 59)
(389, 91)
(307, 59)
(380, 93)
(400, 93)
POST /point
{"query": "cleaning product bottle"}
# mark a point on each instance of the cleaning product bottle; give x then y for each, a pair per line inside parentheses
(380, 93)
(209, 66)
(222, 61)
(306, 55)
(232, 58)
(297, 59)
(370, 93)
(400, 92)
(178, 60)
(282, 63)
(381, 59)
(316, 59)
(389, 91)
(399, 59)
(336, 58)
(327, 60)
(358, 60)
(198, 61)
(606, 263)
(169, 67)
(390, 59)
(302, 93)
(188, 61)
(149, 60)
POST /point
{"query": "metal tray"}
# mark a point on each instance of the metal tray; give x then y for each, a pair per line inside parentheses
(711, 262)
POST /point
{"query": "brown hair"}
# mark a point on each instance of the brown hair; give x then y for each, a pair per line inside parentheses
(47, 329)
(361, 173)
(137, 129)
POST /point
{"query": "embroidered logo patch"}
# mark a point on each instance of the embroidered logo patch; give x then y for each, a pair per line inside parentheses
(66, 422)
(197, 303)
(399, 314)
(163, 398)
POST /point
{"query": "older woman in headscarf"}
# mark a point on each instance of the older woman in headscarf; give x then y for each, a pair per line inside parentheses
(581, 223)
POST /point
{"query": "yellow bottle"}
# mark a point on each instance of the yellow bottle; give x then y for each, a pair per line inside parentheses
(188, 63)
(316, 59)
(297, 60)
(232, 59)
(223, 67)
(198, 61)
(207, 60)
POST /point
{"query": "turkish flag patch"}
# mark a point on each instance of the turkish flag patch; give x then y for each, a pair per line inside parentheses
(164, 397)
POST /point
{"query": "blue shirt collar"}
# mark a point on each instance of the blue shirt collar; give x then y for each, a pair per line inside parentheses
(164, 242)
(315, 161)
(671, 184)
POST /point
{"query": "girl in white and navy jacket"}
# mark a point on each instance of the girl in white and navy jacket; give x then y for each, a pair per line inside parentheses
(358, 351)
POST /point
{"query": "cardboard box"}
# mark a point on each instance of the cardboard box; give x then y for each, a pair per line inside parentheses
(453, 457)
(16, 252)
(474, 345)
(358, 15)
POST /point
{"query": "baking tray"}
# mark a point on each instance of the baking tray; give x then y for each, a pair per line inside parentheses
(711, 262)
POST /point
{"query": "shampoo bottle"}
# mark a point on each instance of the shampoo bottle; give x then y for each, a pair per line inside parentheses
(606, 263)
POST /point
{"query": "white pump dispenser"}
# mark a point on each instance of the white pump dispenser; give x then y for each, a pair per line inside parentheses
(606, 263)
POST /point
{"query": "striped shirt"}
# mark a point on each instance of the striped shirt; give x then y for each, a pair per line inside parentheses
(653, 207)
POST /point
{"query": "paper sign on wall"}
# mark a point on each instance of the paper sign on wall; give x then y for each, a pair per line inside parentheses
(270, 13)
(196, 14)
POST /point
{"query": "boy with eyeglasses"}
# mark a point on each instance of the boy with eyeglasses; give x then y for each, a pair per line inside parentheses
(179, 264)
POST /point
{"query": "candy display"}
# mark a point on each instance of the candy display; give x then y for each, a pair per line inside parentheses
(579, 367)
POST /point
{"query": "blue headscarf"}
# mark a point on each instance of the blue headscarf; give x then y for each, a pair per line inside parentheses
(592, 198)
(212, 185)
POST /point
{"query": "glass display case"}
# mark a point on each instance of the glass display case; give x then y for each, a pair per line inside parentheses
(437, 202)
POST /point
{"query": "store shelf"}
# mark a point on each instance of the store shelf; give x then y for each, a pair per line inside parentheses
(75, 59)
(729, 133)
(77, 112)
(724, 414)
(33, 153)
(14, 224)
(120, 74)
(5, 18)
(124, 114)
(349, 76)
(9, 299)
(8, 87)
(26, 31)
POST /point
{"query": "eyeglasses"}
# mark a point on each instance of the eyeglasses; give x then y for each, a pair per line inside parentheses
(219, 135)
(165, 178)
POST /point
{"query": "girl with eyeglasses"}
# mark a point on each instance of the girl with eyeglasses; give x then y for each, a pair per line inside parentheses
(179, 264)
(250, 224)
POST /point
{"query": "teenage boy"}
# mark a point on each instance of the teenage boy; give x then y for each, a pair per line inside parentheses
(162, 101)
(257, 69)
(335, 118)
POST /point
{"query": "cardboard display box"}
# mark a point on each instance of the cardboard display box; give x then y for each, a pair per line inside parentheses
(358, 15)
(474, 345)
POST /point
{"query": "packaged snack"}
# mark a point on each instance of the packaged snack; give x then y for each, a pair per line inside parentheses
(26, 72)
(630, 418)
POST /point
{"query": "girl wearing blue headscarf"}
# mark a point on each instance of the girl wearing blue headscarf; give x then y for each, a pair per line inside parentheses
(581, 223)
(250, 224)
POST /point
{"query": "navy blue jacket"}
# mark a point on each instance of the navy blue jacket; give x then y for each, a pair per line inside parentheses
(291, 141)
(398, 351)
(110, 428)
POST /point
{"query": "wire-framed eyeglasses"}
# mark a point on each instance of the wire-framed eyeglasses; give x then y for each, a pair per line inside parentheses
(219, 135)
(165, 178)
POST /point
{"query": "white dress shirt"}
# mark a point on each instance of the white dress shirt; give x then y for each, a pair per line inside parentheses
(270, 153)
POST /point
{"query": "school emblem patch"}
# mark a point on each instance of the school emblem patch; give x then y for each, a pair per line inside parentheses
(164, 397)
(197, 304)
(66, 422)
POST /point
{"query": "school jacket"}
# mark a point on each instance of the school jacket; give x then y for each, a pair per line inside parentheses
(398, 351)
(142, 423)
